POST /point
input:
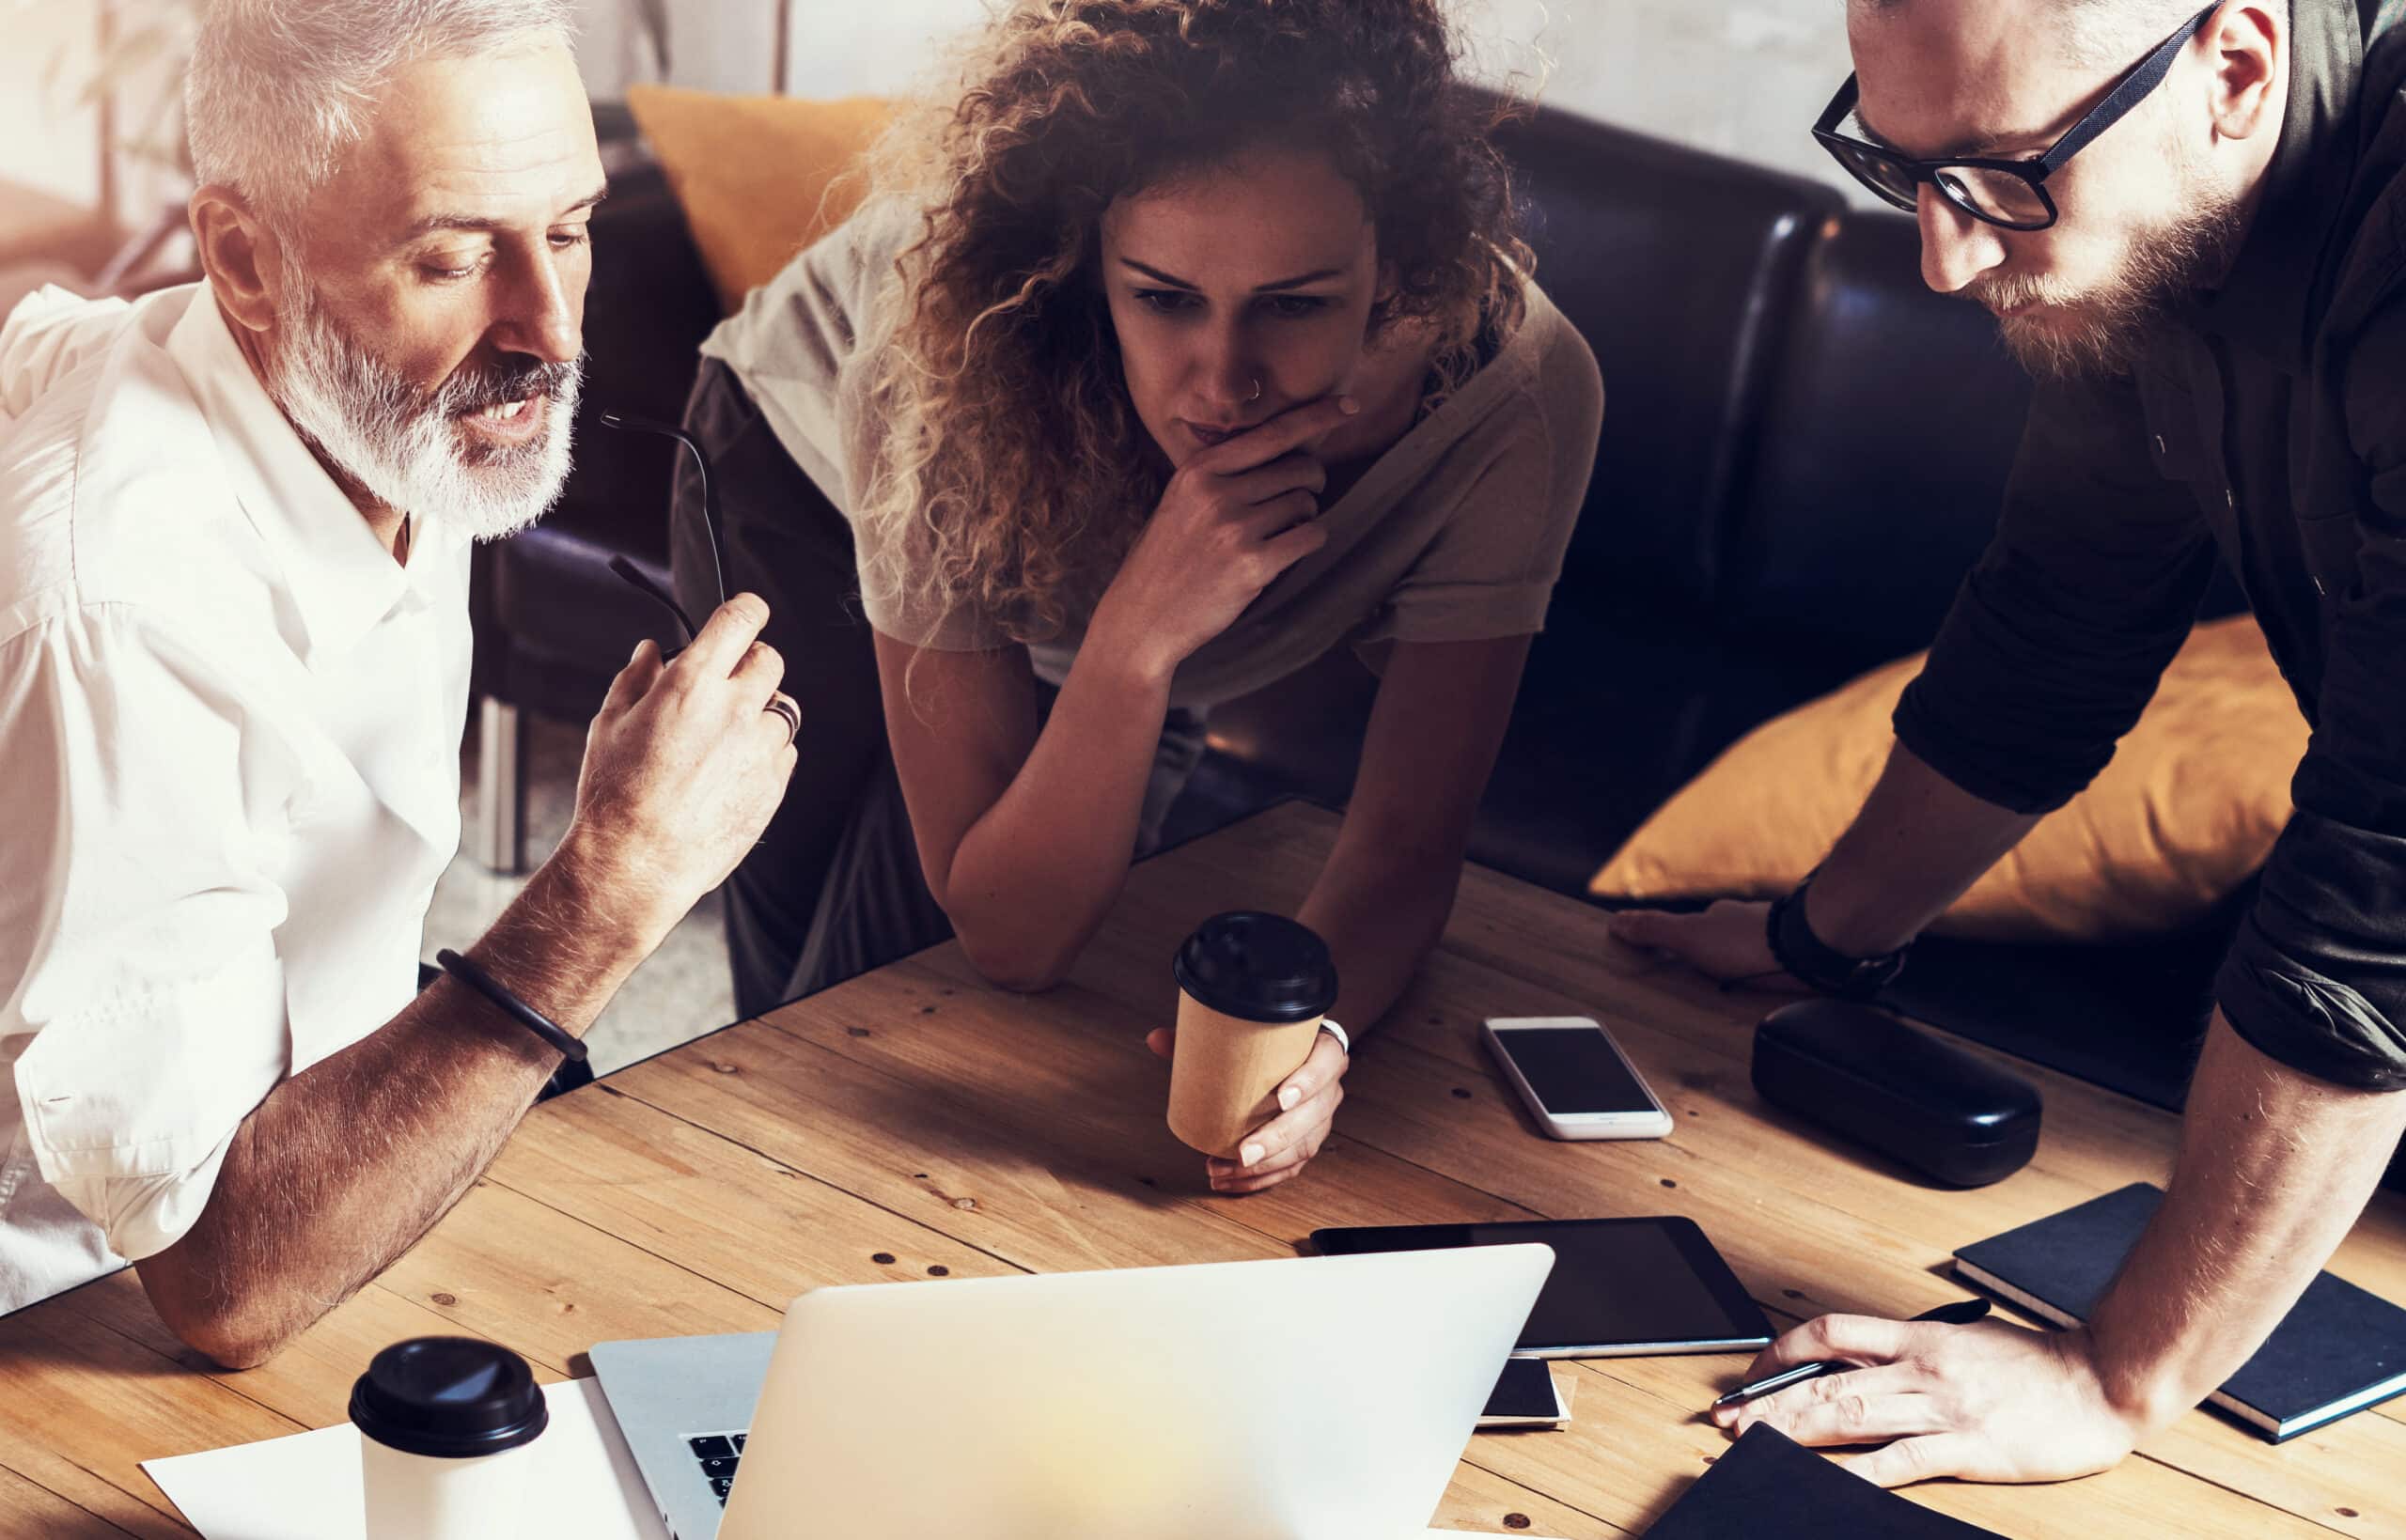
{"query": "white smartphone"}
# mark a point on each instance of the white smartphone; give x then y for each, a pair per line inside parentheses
(1576, 1079)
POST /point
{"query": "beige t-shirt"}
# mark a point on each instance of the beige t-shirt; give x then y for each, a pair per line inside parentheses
(1455, 534)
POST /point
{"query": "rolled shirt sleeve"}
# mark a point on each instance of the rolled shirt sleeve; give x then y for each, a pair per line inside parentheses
(1490, 572)
(2316, 978)
(142, 953)
(1491, 569)
(2063, 629)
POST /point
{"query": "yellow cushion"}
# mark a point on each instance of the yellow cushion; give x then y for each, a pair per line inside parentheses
(2188, 809)
(757, 174)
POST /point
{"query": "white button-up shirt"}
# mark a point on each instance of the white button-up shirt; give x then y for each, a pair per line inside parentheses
(229, 735)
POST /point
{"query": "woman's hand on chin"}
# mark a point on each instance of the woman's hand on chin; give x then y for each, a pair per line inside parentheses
(1233, 518)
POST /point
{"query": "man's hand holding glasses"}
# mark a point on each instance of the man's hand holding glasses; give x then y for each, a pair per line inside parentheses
(685, 761)
(685, 764)
(780, 704)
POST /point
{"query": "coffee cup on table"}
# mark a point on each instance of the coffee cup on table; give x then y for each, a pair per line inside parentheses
(1253, 991)
(447, 1433)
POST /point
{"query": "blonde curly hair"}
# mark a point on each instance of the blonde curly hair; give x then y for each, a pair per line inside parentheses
(1012, 472)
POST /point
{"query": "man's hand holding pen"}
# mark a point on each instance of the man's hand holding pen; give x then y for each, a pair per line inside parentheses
(1947, 1394)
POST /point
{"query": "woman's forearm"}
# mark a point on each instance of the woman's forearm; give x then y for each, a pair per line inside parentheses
(1383, 900)
(1034, 874)
(1382, 906)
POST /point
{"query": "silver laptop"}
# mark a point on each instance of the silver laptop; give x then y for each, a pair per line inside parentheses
(1316, 1398)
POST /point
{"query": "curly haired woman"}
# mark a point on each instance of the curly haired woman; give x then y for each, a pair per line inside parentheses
(1194, 341)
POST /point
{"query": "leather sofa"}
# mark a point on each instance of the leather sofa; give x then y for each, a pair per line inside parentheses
(1802, 451)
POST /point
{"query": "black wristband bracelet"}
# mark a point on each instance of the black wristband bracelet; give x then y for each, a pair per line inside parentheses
(1795, 948)
(527, 1015)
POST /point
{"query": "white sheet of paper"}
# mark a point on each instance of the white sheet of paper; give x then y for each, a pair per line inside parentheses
(306, 1487)
(591, 1489)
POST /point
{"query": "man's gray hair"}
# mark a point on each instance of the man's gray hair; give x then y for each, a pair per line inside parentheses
(279, 89)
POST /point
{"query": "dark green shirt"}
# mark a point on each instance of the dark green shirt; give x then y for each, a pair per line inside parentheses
(2267, 423)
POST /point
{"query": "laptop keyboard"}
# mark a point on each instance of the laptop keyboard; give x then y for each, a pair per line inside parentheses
(718, 1453)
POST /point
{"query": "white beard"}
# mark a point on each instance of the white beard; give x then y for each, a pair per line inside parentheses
(404, 446)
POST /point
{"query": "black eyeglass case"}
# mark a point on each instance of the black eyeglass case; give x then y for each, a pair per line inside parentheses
(1925, 1103)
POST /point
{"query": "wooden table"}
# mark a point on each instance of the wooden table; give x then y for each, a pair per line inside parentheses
(914, 1123)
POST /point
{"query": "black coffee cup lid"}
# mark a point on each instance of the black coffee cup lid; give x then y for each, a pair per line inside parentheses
(1258, 968)
(450, 1398)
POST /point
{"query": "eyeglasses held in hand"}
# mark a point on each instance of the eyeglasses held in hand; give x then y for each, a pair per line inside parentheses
(2007, 193)
(633, 575)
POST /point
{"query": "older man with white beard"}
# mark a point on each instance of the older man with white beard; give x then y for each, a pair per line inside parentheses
(234, 521)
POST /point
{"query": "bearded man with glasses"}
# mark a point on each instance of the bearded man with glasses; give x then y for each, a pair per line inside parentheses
(2192, 227)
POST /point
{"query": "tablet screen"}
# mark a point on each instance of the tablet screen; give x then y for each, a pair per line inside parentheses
(1617, 1285)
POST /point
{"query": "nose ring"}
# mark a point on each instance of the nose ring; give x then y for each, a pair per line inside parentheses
(1256, 391)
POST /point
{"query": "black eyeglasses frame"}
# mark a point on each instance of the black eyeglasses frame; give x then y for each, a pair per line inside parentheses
(629, 572)
(2132, 88)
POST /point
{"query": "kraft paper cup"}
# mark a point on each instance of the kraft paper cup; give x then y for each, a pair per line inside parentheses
(1253, 989)
(1225, 1073)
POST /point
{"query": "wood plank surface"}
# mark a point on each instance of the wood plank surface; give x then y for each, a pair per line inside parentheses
(28, 1510)
(916, 1125)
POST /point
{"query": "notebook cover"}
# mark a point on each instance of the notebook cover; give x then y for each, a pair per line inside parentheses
(1769, 1487)
(2338, 1342)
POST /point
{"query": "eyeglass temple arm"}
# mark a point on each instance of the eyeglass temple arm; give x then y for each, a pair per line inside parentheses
(626, 424)
(2144, 77)
(634, 576)
(1840, 104)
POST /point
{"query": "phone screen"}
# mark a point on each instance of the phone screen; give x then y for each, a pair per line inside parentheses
(1525, 1391)
(1575, 1070)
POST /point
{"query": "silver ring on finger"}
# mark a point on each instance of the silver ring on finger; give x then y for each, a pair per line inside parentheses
(782, 706)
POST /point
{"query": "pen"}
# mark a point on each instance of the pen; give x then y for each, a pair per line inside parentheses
(1961, 1312)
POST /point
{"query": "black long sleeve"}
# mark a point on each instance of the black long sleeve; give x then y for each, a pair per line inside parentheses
(2316, 978)
(2061, 633)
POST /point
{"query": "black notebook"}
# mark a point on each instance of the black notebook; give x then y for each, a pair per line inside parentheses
(1768, 1487)
(2338, 1350)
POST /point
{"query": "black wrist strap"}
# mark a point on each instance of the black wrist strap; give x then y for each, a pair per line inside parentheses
(1794, 947)
(524, 1014)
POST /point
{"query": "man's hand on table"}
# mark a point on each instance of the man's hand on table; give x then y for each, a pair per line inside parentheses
(1729, 942)
(1989, 1402)
(1284, 1145)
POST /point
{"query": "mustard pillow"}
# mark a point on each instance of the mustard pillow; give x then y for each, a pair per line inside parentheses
(757, 175)
(2186, 812)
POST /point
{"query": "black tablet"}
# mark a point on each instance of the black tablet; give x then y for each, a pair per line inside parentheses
(1619, 1287)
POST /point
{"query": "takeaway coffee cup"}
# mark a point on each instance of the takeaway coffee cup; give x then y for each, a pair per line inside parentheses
(1252, 991)
(446, 1439)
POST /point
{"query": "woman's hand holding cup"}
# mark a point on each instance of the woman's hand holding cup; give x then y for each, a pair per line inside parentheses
(1254, 1062)
(1280, 1148)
